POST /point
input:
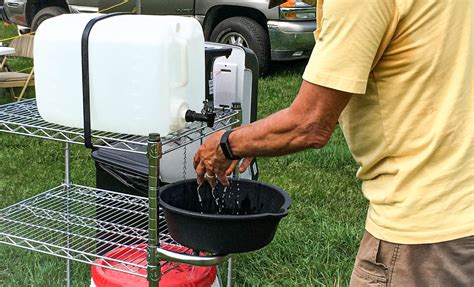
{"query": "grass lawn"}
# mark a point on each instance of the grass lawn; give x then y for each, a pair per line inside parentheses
(314, 246)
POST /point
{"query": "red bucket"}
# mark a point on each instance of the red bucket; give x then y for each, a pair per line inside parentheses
(180, 275)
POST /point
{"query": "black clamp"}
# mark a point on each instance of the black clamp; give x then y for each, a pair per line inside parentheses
(86, 103)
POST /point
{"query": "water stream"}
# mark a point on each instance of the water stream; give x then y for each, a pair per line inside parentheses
(225, 200)
(199, 197)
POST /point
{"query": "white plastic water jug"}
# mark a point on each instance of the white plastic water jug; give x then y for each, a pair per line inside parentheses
(144, 72)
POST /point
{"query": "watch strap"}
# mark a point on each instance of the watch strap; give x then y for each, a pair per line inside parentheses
(225, 146)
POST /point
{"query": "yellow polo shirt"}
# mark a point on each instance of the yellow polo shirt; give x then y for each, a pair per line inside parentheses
(409, 124)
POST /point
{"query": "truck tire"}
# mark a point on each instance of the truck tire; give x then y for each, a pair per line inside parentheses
(46, 13)
(245, 32)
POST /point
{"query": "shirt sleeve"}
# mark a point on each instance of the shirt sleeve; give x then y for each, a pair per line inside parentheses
(348, 42)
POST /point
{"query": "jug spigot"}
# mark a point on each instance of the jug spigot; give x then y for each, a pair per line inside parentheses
(209, 118)
(207, 115)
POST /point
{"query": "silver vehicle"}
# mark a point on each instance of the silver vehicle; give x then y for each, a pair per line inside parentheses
(284, 32)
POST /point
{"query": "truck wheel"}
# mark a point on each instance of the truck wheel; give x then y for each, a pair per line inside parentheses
(46, 13)
(245, 32)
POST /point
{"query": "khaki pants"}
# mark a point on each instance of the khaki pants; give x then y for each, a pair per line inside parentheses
(380, 263)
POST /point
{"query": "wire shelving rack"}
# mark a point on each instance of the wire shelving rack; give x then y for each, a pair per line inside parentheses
(84, 224)
(23, 118)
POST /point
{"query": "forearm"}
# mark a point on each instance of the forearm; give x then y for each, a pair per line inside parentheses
(278, 134)
(307, 123)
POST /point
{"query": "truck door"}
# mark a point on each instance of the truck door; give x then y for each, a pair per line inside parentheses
(150, 7)
(168, 7)
(109, 6)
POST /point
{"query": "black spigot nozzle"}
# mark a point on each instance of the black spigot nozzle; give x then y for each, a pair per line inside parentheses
(208, 118)
(192, 116)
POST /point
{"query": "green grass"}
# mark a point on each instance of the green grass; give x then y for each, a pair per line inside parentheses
(314, 246)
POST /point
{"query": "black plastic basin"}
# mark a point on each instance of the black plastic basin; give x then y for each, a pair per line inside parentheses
(244, 218)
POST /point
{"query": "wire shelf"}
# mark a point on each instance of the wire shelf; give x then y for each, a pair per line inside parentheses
(87, 225)
(23, 118)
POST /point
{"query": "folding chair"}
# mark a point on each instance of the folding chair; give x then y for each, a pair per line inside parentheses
(23, 48)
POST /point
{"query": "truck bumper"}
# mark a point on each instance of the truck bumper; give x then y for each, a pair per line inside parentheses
(291, 40)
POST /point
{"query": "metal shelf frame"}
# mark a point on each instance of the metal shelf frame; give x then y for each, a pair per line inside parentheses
(23, 118)
(46, 222)
(79, 223)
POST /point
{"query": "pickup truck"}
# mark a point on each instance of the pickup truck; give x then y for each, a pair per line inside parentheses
(284, 32)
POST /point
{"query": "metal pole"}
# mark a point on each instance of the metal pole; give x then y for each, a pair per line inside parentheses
(230, 273)
(154, 154)
(67, 182)
(237, 107)
(230, 267)
(138, 5)
(67, 156)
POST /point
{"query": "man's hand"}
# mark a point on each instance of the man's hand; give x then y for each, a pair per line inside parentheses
(210, 162)
(243, 166)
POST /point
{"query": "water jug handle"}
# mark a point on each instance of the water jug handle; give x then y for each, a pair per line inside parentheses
(183, 77)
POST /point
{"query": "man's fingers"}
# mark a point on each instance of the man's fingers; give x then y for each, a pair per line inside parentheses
(223, 179)
(245, 164)
(196, 160)
(231, 167)
(200, 172)
(210, 177)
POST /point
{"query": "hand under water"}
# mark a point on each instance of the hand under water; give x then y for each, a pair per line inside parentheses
(211, 164)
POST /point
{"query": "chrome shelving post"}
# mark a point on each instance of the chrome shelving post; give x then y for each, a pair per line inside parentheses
(237, 122)
(154, 153)
(67, 184)
(237, 107)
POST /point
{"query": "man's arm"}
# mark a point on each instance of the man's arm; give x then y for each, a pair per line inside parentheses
(307, 123)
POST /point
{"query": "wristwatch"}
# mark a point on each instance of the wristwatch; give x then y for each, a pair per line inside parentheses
(225, 146)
